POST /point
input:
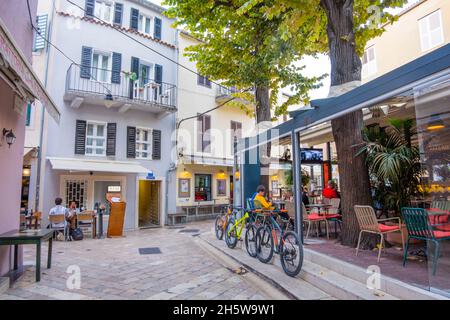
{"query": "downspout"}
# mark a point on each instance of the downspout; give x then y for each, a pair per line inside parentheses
(41, 129)
(173, 165)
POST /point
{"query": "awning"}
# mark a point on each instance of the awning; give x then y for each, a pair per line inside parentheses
(18, 73)
(86, 165)
(208, 160)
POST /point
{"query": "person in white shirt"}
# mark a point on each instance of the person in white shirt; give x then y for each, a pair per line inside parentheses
(58, 210)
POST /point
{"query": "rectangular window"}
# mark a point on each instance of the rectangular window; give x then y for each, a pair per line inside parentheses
(202, 187)
(144, 73)
(96, 139)
(203, 81)
(369, 62)
(236, 131)
(431, 32)
(145, 24)
(143, 143)
(100, 67)
(203, 133)
(29, 110)
(103, 10)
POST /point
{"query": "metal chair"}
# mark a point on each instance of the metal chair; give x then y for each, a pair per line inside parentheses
(313, 219)
(419, 227)
(369, 223)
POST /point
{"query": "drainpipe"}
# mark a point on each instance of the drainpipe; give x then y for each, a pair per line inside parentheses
(41, 129)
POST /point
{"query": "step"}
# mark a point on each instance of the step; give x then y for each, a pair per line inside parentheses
(313, 282)
(388, 285)
(4, 284)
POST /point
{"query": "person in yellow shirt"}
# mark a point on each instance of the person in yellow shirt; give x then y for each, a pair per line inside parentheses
(260, 201)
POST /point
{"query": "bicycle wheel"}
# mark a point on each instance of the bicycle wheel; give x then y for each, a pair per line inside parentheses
(264, 244)
(230, 234)
(219, 226)
(250, 240)
(291, 255)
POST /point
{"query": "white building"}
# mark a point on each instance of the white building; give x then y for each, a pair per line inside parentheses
(118, 102)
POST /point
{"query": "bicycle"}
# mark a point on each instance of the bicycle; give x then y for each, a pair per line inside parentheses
(221, 222)
(234, 232)
(289, 248)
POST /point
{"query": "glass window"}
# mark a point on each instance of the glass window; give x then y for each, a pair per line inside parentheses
(144, 73)
(202, 187)
(103, 10)
(203, 81)
(144, 24)
(143, 143)
(369, 63)
(100, 67)
(431, 32)
(96, 139)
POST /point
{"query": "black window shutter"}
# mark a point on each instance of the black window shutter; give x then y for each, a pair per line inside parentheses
(89, 9)
(207, 133)
(134, 68)
(131, 142)
(156, 145)
(86, 61)
(80, 137)
(111, 139)
(158, 73)
(118, 13)
(200, 133)
(116, 67)
(134, 18)
(158, 28)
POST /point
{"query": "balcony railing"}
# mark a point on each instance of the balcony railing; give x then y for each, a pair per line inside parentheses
(102, 82)
(225, 91)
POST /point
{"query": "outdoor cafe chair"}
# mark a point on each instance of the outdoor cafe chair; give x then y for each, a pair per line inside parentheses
(55, 220)
(440, 222)
(36, 220)
(86, 221)
(419, 227)
(369, 223)
(313, 219)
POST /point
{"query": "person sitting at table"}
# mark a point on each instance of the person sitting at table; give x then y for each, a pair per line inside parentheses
(330, 191)
(305, 198)
(58, 209)
(260, 202)
(72, 215)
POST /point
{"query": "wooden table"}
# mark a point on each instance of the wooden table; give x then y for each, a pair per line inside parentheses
(29, 237)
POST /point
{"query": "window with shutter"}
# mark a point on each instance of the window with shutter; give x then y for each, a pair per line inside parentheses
(90, 7)
(203, 133)
(236, 131)
(143, 143)
(80, 137)
(134, 19)
(158, 28)
(431, 32)
(41, 36)
(118, 13)
(203, 81)
(96, 134)
(116, 67)
(134, 69)
(156, 148)
(131, 142)
(86, 62)
(369, 63)
(111, 139)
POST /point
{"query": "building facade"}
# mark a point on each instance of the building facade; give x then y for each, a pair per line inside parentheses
(19, 86)
(204, 177)
(116, 88)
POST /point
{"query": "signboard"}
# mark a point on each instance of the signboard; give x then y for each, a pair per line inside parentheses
(114, 188)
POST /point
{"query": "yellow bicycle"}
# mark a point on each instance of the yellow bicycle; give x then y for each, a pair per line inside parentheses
(235, 228)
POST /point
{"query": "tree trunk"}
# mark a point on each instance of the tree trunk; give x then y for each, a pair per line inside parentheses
(347, 130)
(262, 97)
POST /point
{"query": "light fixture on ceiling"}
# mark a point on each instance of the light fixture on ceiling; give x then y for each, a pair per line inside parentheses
(109, 100)
(435, 123)
(9, 137)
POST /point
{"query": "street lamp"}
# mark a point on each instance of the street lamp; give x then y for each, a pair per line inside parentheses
(9, 136)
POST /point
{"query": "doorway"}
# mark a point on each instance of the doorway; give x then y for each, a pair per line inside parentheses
(149, 206)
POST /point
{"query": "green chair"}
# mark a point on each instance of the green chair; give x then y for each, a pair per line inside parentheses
(419, 227)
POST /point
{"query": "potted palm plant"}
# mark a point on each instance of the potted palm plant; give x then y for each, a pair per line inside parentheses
(393, 162)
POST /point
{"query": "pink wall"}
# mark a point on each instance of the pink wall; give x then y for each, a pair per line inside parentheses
(14, 15)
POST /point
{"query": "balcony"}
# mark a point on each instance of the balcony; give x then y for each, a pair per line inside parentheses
(224, 93)
(95, 86)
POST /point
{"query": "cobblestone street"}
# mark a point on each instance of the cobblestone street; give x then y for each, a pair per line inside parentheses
(114, 269)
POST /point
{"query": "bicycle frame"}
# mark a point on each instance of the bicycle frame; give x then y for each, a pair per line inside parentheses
(239, 224)
(276, 226)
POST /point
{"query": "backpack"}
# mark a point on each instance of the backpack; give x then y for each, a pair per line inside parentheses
(76, 234)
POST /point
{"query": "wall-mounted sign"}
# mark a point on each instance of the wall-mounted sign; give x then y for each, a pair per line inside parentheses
(114, 189)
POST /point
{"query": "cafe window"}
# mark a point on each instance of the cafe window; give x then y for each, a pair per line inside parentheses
(202, 187)
(96, 139)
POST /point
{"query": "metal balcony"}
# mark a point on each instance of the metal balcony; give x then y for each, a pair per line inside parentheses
(224, 93)
(96, 86)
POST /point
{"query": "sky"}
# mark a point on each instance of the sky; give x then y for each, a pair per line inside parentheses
(320, 65)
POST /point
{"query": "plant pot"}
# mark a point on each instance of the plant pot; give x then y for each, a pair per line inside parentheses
(395, 237)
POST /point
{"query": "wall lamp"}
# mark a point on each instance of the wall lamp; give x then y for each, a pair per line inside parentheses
(9, 137)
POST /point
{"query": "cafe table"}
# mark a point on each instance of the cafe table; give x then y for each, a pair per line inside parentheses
(33, 236)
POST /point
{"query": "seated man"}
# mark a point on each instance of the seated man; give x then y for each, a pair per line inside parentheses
(261, 203)
(58, 209)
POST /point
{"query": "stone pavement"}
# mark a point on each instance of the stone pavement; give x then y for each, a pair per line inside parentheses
(114, 269)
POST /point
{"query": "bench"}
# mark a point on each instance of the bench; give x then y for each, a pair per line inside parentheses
(181, 215)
